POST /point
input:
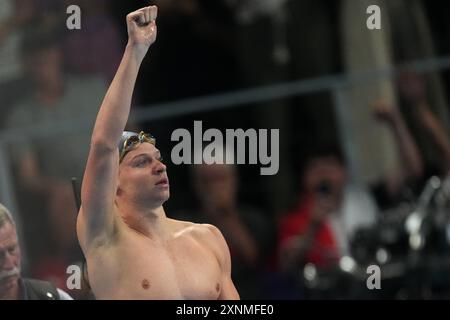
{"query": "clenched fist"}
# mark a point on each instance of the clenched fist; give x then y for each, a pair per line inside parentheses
(142, 29)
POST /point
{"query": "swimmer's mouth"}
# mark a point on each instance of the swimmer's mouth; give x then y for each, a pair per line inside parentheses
(163, 181)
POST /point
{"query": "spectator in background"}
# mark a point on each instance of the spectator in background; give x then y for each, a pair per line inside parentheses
(45, 164)
(12, 285)
(401, 183)
(98, 40)
(14, 16)
(413, 91)
(303, 234)
(329, 212)
(246, 229)
(92, 50)
(406, 182)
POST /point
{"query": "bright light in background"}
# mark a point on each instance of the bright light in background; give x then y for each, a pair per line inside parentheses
(413, 223)
(347, 264)
(416, 241)
(382, 255)
(310, 272)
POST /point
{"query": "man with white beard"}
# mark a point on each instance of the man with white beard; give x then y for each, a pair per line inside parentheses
(12, 285)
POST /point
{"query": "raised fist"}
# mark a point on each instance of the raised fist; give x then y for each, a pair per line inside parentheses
(141, 27)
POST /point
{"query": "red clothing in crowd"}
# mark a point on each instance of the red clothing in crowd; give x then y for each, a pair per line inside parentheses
(324, 249)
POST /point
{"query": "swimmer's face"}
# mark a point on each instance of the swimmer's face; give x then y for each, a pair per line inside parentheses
(143, 176)
(9, 261)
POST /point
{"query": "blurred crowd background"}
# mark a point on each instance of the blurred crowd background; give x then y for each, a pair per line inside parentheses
(364, 154)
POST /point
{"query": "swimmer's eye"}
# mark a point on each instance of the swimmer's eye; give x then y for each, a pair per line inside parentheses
(142, 162)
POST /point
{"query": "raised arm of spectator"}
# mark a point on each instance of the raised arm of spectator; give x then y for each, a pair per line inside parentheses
(411, 167)
(412, 88)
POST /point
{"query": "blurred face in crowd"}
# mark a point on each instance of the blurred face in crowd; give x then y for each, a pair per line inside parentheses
(215, 184)
(143, 177)
(9, 262)
(45, 66)
(325, 175)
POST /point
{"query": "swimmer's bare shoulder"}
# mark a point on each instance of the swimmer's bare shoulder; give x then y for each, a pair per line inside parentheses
(211, 237)
(209, 234)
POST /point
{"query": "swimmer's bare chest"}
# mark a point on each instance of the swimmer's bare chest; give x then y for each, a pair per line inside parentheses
(136, 267)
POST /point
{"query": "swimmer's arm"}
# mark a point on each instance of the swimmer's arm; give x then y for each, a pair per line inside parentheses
(99, 182)
(114, 112)
(228, 290)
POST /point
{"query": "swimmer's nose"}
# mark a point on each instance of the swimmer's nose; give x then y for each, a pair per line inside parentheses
(160, 168)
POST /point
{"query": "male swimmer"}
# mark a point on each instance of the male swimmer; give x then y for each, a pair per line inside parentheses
(133, 250)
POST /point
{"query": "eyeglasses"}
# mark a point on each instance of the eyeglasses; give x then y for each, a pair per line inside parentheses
(133, 141)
